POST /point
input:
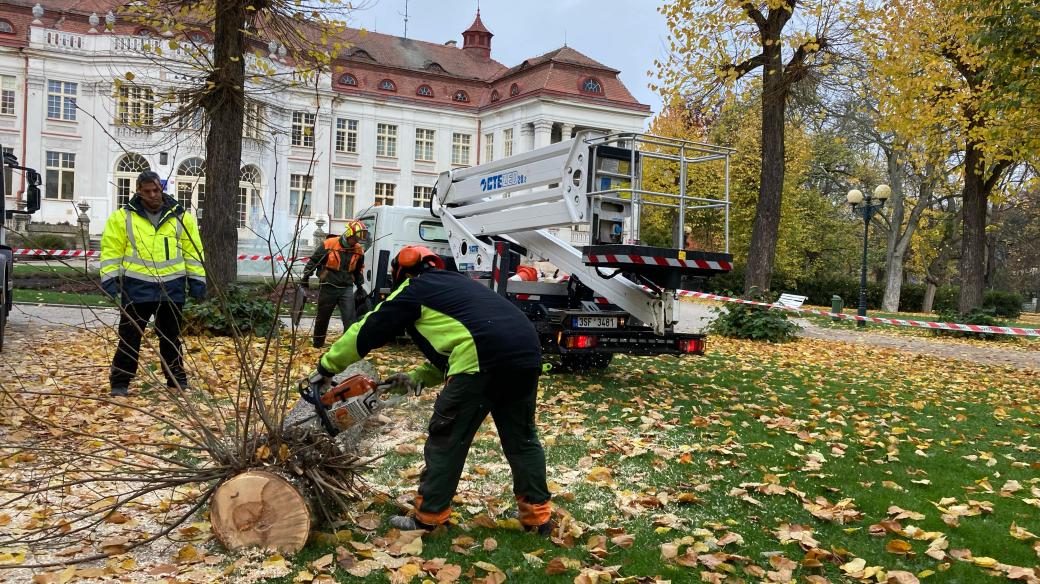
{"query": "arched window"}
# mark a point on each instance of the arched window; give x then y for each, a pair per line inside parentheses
(348, 79)
(362, 54)
(6, 27)
(424, 91)
(145, 33)
(127, 169)
(198, 37)
(591, 85)
(435, 67)
(494, 95)
(460, 96)
(514, 89)
(191, 184)
(249, 202)
(387, 85)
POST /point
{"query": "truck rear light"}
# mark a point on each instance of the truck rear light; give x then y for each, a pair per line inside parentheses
(580, 341)
(691, 345)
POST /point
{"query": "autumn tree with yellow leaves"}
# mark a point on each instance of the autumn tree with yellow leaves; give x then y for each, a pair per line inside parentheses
(944, 85)
(715, 46)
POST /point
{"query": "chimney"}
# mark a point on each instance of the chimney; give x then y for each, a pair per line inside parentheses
(477, 39)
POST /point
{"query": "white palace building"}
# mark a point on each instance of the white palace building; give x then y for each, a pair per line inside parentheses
(393, 114)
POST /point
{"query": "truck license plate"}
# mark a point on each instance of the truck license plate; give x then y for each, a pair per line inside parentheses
(595, 322)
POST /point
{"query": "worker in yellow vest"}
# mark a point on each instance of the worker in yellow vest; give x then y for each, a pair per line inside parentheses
(151, 256)
(340, 264)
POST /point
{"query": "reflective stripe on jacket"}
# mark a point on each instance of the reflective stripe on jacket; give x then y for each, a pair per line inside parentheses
(460, 326)
(329, 259)
(146, 263)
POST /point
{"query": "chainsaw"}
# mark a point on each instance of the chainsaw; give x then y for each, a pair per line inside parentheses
(347, 404)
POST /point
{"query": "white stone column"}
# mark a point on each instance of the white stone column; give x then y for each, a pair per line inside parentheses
(542, 133)
(525, 139)
(565, 131)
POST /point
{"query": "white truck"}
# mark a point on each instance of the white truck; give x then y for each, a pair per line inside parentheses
(615, 295)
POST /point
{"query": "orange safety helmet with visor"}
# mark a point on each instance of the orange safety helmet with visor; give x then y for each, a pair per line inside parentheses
(413, 258)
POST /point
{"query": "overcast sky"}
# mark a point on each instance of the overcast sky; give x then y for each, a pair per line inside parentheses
(623, 34)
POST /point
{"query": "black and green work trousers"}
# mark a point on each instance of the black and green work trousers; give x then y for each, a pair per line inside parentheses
(329, 298)
(466, 400)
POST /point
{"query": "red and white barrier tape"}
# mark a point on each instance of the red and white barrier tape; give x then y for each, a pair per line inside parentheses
(946, 326)
(72, 253)
(78, 253)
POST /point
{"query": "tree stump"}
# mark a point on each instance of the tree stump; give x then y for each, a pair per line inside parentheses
(262, 509)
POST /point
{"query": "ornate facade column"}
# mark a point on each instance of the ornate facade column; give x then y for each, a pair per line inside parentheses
(525, 140)
(542, 133)
(565, 131)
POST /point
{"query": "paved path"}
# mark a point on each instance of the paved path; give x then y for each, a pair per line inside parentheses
(693, 317)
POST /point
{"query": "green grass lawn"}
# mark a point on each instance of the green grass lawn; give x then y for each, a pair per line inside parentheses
(71, 268)
(681, 454)
(56, 297)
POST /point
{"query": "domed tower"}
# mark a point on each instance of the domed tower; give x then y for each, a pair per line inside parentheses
(477, 39)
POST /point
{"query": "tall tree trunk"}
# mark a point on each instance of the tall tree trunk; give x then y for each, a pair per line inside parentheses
(973, 231)
(929, 297)
(894, 259)
(224, 103)
(762, 250)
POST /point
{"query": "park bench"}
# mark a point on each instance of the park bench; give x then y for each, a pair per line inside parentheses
(791, 300)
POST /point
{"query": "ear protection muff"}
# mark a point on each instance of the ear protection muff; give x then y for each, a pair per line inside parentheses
(411, 257)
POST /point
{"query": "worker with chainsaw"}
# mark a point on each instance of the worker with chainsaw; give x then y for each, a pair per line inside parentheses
(340, 264)
(490, 355)
(151, 256)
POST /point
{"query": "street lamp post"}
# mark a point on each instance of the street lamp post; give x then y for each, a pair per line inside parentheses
(865, 206)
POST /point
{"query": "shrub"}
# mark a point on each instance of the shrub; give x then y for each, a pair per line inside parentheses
(757, 323)
(47, 241)
(241, 309)
(980, 316)
(1003, 304)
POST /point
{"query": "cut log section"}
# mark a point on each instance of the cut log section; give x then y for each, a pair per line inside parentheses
(258, 508)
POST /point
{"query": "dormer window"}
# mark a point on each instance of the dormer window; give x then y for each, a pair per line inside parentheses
(424, 91)
(198, 37)
(494, 95)
(435, 67)
(514, 90)
(362, 54)
(591, 85)
(460, 96)
(387, 85)
(348, 79)
(6, 27)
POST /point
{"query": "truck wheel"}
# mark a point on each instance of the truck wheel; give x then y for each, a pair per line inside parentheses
(3, 317)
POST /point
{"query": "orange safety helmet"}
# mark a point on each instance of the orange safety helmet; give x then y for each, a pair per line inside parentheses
(356, 229)
(413, 258)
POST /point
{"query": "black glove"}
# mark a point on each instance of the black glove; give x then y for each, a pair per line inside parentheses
(319, 382)
(405, 384)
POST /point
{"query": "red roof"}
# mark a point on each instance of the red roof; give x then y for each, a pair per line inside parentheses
(477, 26)
(83, 6)
(405, 53)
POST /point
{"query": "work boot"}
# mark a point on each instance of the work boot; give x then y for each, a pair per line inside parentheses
(544, 530)
(409, 523)
(119, 391)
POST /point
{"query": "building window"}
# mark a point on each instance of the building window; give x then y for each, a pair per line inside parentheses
(421, 196)
(343, 198)
(591, 85)
(188, 115)
(460, 96)
(494, 95)
(424, 144)
(514, 89)
(249, 201)
(384, 194)
(424, 91)
(303, 129)
(61, 175)
(197, 37)
(127, 169)
(6, 27)
(386, 140)
(348, 79)
(460, 148)
(300, 195)
(507, 142)
(253, 124)
(489, 147)
(136, 106)
(61, 100)
(387, 85)
(7, 91)
(346, 135)
(191, 184)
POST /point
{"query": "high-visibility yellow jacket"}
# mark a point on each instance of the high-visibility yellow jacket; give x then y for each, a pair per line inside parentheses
(145, 263)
